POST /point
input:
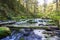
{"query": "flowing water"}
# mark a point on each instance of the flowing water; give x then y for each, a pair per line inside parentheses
(35, 34)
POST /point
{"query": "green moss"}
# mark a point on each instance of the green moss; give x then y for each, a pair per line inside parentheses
(4, 31)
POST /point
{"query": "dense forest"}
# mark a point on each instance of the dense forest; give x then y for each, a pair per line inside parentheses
(10, 9)
(24, 9)
(14, 10)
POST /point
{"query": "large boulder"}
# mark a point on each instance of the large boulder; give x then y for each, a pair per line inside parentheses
(4, 31)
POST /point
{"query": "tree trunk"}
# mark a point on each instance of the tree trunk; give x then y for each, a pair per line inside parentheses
(56, 5)
(59, 24)
(45, 4)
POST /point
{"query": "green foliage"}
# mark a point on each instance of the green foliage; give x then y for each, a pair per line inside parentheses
(16, 11)
(55, 15)
(13, 8)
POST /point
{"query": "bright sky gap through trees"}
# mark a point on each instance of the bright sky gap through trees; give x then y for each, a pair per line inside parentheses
(41, 2)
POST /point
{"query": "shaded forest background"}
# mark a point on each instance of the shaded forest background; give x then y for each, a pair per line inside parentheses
(11, 9)
(24, 9)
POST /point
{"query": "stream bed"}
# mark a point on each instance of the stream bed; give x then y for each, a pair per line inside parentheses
(30, 34)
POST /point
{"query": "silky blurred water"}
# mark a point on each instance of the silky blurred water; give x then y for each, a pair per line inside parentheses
(36, 34)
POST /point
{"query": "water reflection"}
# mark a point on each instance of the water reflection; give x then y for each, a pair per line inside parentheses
(30, 34)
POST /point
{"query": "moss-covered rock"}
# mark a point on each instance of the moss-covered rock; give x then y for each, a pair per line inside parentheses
(4, 31)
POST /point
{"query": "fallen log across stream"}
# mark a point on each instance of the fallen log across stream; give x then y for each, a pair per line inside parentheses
(38, 27)
(7, 23)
